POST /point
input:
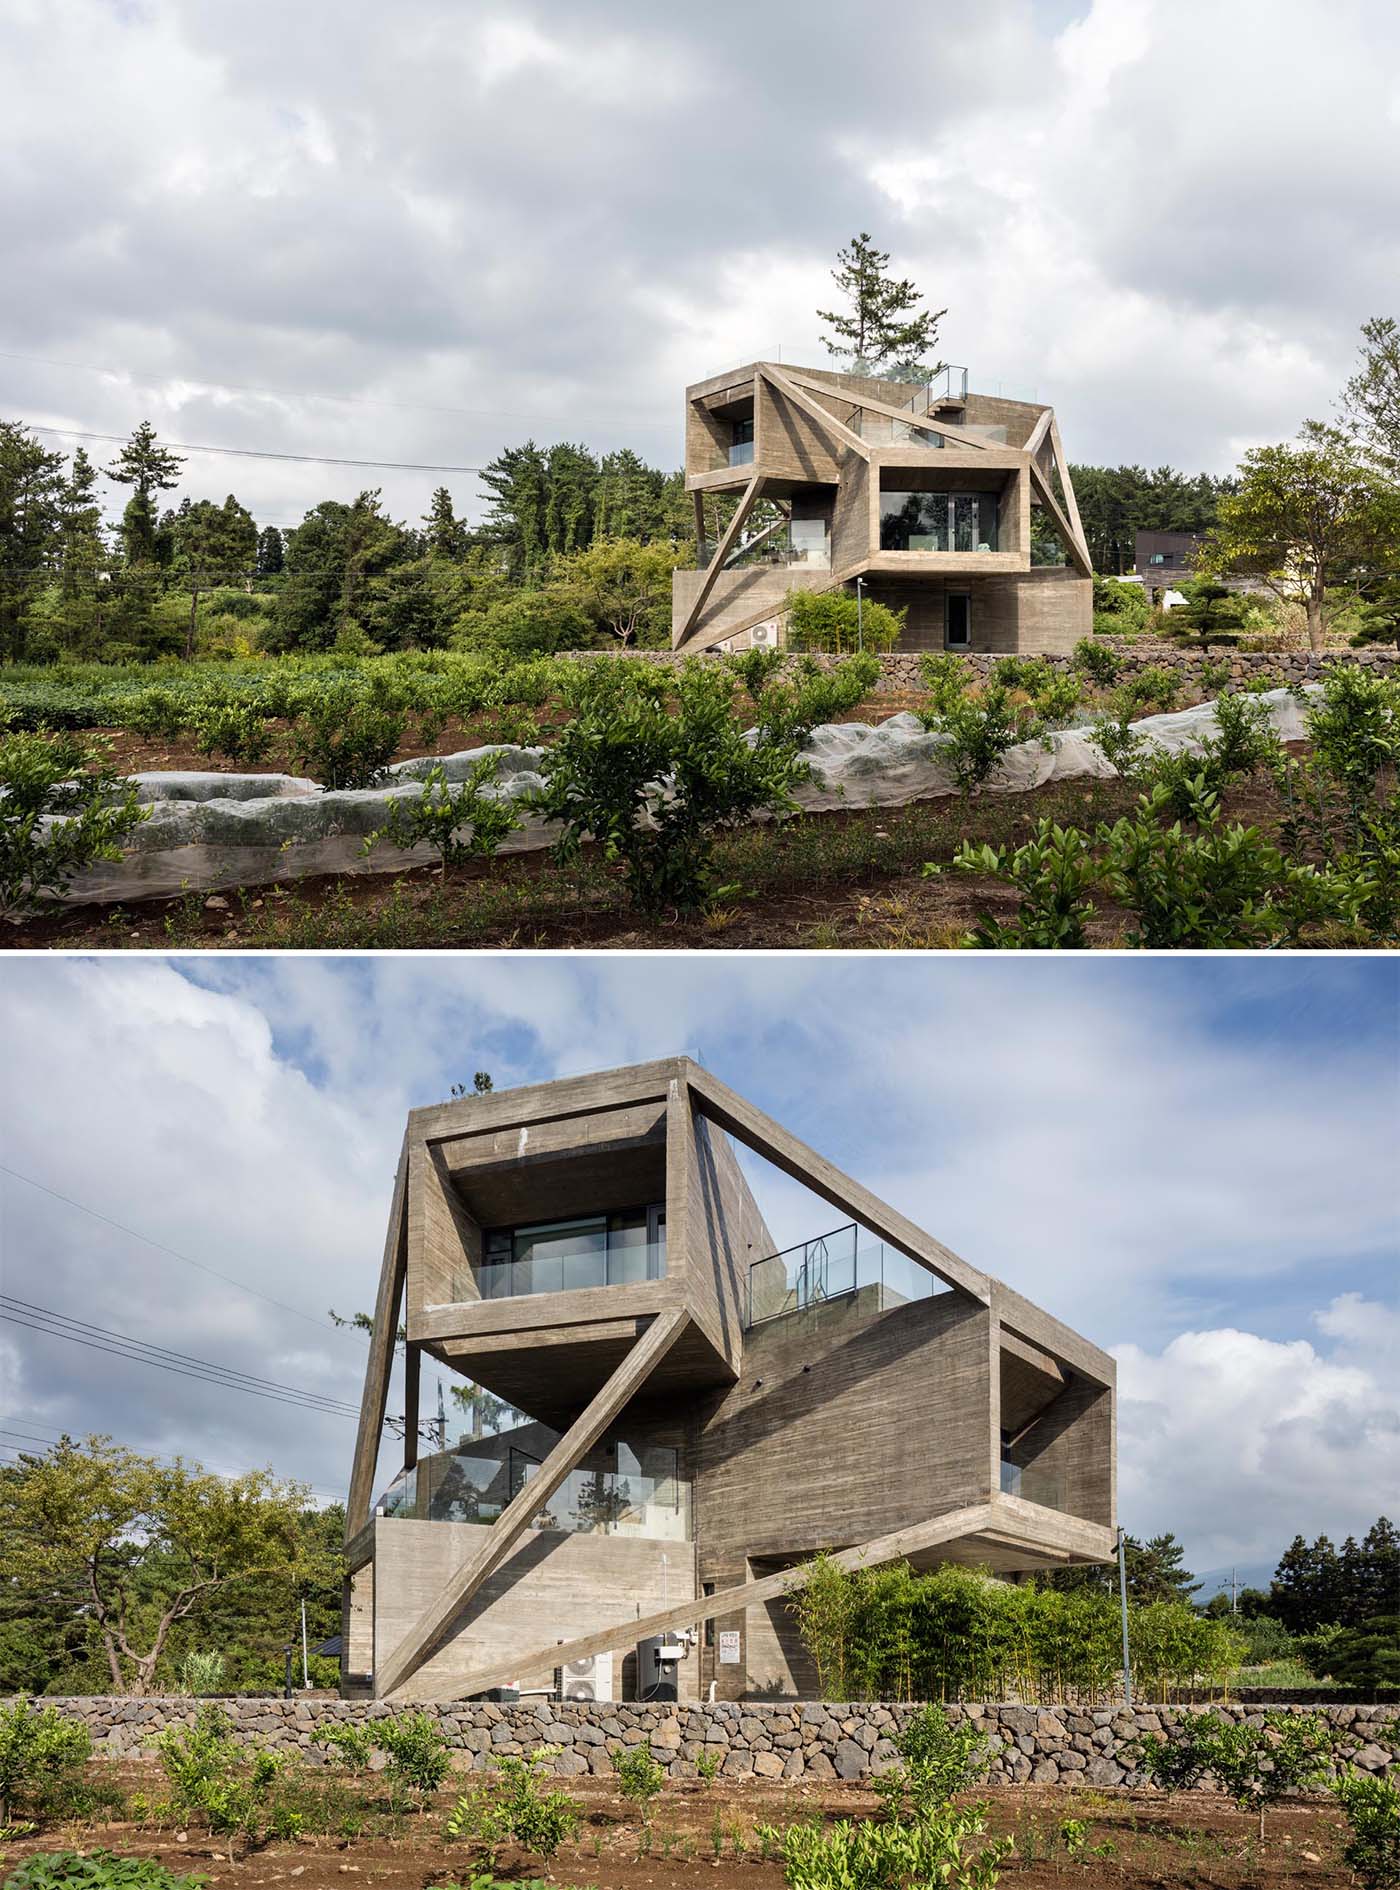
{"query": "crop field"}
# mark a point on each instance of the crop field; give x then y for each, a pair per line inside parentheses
(671, 793)
(720, 1834)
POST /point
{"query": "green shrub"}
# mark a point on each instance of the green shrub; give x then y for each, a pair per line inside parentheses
(1125, 608)
(1354, 726)
(418, 1753)
(1053, 872)
(235, 729)
(939, 1760)
(653, 785)
(443, 813)
(756, 668)
(1260, 1765)
(352, 1744)
(202, 1673)
(639, 1777)
(515, 1806)
(155, 711)
(1372, 1809)
(978, 731)
(789, 711)
(1154, 687)
(41, 1754)
(935, 1849)
(95, 1870)
(1096, 661)
(344, 740)
(62, 807)
(708, 1763)
(833, 621)
(1176, 1762)
(946, 677)
(1367, 1655)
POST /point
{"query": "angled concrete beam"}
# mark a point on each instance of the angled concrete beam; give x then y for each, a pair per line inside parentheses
(769, 1139)
(1074, 545)
(1067, 485)
(925, 422)
(374, 1397)
(515, 1518)
(908, 1541)
(722, 551)
(1038, 432)
(792, 390)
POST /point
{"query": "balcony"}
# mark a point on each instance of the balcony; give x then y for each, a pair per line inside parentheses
(622, 1248)
(938, 521)
(1032, 1484)
(624, 1487)
(834, 1266)
(741, 453)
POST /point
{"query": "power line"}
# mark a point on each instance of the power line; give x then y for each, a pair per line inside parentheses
(174, 1252)
(120, 1345)
(224, 1470)
(291, 393)
(252, 452)
(83, 1325)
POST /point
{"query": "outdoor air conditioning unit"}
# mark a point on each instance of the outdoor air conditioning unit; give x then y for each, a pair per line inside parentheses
(588, 1679)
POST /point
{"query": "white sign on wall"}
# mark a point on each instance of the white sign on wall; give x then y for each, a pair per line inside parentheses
(729, 1647)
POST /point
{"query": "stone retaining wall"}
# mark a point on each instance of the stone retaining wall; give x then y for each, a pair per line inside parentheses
(900, 669)
(1046, 1745)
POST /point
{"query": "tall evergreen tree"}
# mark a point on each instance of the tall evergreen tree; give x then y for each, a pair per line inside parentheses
(149, 468)
(271, 552)
(31, 487)
(880, 329)
(446, 534)
(1371, 402)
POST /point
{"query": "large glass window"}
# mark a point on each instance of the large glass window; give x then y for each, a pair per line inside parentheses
(741, 447)
(938, 521)
(614, 1249)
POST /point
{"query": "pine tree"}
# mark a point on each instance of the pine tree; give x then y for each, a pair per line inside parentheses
(270, 553)
(150, 468)
(880, 329)
(31, 485)
(446, 534)
(84, 557)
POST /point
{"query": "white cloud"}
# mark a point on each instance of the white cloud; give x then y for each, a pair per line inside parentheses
(568, 214)
(1239, 1442)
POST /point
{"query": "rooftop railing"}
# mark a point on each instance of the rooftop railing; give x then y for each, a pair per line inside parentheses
(833, 1266)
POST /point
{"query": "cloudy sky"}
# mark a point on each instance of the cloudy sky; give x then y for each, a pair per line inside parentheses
(1191, 1161)
(422, 232)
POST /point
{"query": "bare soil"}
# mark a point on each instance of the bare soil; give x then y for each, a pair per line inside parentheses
(706, 1835)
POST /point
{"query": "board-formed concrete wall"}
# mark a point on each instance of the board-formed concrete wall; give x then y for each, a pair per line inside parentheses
(811, 1740)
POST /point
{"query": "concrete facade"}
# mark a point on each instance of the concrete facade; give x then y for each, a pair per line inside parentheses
(941, 503)
(694, 1414)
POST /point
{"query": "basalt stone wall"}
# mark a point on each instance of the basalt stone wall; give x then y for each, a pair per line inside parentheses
(900, 669)
(755, 1739)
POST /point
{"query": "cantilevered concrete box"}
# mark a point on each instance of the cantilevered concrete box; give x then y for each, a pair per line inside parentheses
(697, 1413)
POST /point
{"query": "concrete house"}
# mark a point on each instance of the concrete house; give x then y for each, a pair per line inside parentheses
(956, 505)
(696, 1413)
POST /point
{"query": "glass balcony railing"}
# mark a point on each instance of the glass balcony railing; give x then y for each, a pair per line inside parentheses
(565, 1272)
(1032, 1484)
(741, 453)
(622, 1489)
(834, 1266)
(803, 541)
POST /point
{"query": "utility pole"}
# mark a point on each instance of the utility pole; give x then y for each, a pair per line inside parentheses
(441, 1420)
(1123, 1610)
(305, 1667)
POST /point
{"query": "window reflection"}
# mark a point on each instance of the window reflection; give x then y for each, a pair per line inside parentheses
(938, 521)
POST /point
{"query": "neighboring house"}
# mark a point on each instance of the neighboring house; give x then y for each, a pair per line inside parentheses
(941, 501)
(697, 1412)
(1165, 559)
